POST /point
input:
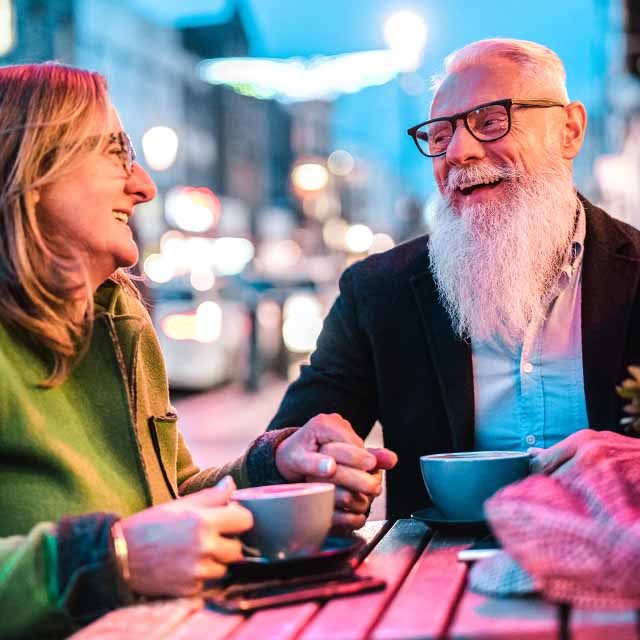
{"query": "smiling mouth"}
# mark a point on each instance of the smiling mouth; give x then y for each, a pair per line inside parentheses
(121, 216)
(481, 185)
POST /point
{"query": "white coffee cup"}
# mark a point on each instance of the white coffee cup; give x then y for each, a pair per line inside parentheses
(289, 520)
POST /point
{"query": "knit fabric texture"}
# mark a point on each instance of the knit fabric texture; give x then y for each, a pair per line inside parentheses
(574, 537)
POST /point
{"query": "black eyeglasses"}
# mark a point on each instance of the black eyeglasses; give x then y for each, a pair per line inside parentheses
(486, 122)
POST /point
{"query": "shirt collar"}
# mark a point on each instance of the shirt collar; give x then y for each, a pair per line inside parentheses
(573, 256)
(576, 249)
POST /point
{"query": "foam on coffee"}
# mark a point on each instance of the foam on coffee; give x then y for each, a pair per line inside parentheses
(278, 490)
(480, 455)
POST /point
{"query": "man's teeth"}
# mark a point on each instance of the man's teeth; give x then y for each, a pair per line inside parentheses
(467, 189)
(476, 184)
(121, 215)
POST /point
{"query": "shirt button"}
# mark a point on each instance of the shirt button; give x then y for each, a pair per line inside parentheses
(528, 367)
(530, 440)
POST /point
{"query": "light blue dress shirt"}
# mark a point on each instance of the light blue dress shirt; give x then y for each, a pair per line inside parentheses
(535, 396)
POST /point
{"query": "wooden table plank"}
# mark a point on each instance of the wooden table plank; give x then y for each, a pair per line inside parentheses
(283, 623)
(206, 625)
(424, 605)
(478, 617)
(353, 617)
(151, 621)
(596, 625)
(280, 623)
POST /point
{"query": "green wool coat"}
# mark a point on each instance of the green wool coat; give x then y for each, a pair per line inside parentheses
(104, 440)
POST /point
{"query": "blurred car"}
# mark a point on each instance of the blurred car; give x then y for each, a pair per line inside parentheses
(204, 342)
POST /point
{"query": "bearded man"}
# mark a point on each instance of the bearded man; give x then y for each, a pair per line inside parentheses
(510, 325)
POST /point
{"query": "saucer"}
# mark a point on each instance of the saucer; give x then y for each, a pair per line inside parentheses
(437, 520)
(335, 551)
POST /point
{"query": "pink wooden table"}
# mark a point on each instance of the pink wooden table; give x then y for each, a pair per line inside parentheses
(426, 597)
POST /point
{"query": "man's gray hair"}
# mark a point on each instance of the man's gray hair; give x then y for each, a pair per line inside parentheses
(536, 61)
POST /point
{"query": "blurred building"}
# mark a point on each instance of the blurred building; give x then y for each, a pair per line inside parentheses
(233, 155)
(617, 169)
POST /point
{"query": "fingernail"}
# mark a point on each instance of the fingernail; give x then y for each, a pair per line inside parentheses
(226, 483)
(326, 466)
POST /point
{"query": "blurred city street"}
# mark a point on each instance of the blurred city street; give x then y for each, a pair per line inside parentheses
(275, 132)
(219, 424)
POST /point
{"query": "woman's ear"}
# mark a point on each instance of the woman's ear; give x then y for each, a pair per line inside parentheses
(32, 197)
(575, 125)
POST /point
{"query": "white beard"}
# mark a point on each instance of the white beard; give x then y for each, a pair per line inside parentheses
(495, 263)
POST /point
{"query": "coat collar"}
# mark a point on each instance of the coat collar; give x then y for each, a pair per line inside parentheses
(451, 361)
(610, 276)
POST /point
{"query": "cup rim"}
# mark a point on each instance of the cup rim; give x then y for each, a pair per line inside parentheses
(469, 456)
(291, 490)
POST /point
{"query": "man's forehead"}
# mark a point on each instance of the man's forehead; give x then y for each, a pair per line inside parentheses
(476, 84)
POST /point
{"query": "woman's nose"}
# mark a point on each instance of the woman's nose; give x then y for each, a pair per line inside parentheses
(141, 185)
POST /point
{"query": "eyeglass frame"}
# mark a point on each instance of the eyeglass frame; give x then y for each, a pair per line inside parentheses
(127, 152)
(507, 103)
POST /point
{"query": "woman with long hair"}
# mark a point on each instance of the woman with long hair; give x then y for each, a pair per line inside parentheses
(101, 501)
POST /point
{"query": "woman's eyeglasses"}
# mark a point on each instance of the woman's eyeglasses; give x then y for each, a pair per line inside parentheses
(125, 150)
(118, 144)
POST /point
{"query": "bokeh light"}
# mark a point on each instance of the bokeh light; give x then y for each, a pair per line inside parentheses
(280, 256)
(406, 35)
(158, 268)
(321, 206)
(7, 26)
(334, 233)
(231, 255)
(195, 209)
(340, 162)
(160, 147)
(302, 324)
(202, 279)
(381, 242)
(358, 238)
(310, 176)
(203, 325)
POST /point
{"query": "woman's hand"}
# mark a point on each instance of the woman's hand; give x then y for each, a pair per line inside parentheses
(175, 547)
(585, 447)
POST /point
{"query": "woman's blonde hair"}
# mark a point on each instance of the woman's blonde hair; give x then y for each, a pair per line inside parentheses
(48, 118)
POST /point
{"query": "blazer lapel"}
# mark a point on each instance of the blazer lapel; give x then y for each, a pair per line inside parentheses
(451, 361)
(611, 270)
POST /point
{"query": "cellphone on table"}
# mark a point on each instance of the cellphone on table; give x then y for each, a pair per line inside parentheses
(483, 548)
(271, 593)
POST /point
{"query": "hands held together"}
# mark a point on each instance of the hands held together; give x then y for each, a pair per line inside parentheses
(327, 449)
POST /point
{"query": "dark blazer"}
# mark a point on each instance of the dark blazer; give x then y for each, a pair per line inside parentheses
(387, 352)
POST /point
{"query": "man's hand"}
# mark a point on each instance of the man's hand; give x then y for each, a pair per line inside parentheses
(327, 449)
(355, 490)
(585, 447)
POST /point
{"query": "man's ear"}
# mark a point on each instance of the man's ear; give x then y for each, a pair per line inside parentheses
(575, 125)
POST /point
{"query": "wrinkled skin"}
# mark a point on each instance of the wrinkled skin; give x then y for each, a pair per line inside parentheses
(175, 547)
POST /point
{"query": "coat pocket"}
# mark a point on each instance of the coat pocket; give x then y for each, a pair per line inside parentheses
(164, 434)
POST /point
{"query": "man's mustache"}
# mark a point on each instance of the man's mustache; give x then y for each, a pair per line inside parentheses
(464, 177)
